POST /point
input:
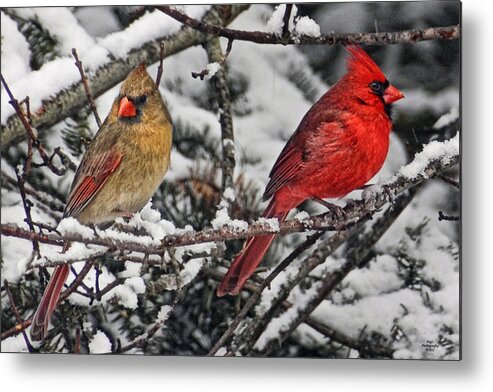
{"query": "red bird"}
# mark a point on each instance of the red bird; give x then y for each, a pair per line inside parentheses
(340, 144)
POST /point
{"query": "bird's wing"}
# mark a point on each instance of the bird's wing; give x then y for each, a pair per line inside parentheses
(317, 132)
(285, 167)
(91, 175)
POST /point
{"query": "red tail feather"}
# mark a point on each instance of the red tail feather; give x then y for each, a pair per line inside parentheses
(49, 302)
(250, 257)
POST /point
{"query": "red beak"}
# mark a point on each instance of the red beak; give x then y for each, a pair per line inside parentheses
(127, 108)
(391, 95)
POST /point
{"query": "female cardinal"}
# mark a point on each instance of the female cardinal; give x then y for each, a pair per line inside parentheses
(119, 172)
(341, 142)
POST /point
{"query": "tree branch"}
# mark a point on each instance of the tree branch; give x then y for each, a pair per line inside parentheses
(220, 86)
(259, 37)
(87, 88)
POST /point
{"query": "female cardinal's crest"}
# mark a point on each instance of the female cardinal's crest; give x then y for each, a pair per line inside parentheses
(359, 63)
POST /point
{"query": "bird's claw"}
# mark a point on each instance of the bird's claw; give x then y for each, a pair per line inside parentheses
(380, 191)
(336, 211)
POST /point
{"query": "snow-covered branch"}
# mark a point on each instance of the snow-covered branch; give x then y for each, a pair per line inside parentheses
(260, 37)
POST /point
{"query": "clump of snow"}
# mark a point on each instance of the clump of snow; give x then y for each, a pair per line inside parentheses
(212, 69)
(432, 151)
(187, 274)
(100, 23)
(53, 82)
(14, 344)
(15, 51)
(150, 220)
(99, 344)
(117, 235)
(283, 322)
(221, 352)
(223, 219)
(127, 297)
(306, 26)
(136, 284)
(447, 118)
(229, 194)
(275, 23)
(149, 214)
(71, 225)
(149, 27)
(131, 270)
(301, 215)
(164, 313)
(299, 26)
(64, 27)
(382, 277)
(273, 223)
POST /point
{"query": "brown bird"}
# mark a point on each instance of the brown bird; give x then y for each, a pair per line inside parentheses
(119, 172)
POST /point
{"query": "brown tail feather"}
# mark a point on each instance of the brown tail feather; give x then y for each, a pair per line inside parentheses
(48, 302)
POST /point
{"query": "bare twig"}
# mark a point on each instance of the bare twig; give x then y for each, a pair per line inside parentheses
(77, 341)
(16, 329)
(27, 102)
(142, 340)
(27, 208)
(443, 217)
(32, 134)
(78, 280)
(450, 181)
(87, 88)
(285, 20)
(202, 74)
(406, 36)
(47, 200)
(160, 67)
(17, 315)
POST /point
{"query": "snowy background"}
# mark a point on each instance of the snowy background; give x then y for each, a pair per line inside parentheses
(406, 296)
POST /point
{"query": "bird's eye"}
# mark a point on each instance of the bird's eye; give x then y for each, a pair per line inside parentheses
(141, 99)
(377, 87)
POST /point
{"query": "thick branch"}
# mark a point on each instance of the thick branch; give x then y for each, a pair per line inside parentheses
(259, 37)
(220, 85)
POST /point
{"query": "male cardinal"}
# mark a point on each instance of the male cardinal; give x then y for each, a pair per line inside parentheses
(119, 172)
(340, 144)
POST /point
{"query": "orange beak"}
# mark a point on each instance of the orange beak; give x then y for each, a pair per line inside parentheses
(391, 95)
(127, 108)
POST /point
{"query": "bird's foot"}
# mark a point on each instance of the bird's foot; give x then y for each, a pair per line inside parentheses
(127, 215)
(336, 211)
(370, 190)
